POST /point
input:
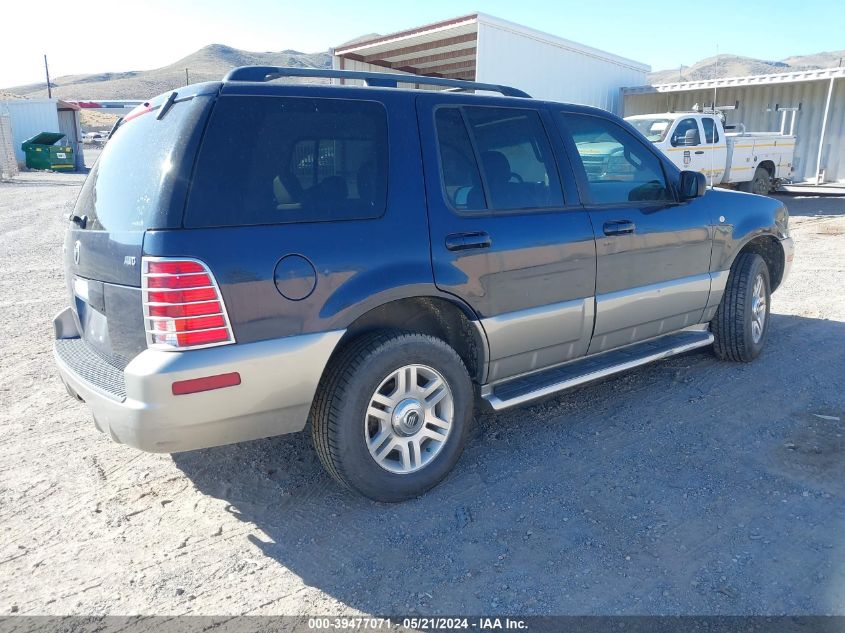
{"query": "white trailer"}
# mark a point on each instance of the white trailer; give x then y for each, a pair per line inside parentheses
(753, 161)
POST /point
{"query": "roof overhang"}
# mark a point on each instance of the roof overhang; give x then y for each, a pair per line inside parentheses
(748, 80)
(443, 49)
(449, 48)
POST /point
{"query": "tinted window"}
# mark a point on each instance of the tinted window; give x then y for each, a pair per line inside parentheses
(711, 134)
(271, 160)
(517, 170)
(516, 158)
(123, 190)
(461, 178)
(619, 167)
(679, 136)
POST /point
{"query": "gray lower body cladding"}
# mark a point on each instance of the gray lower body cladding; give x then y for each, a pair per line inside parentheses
(278, 380)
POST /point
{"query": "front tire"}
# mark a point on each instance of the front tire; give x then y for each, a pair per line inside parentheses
(392, 414)
(742, 320)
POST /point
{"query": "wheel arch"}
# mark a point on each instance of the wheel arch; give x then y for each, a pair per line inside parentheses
(770, 249)
(449, 320)
(769, 166)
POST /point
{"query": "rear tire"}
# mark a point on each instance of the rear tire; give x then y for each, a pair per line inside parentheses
(742, 320)
(761, 183)
(392, 413)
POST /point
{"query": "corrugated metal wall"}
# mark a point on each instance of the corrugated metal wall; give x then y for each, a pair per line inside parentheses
(753, 104)
(29, 117)
(549, 71)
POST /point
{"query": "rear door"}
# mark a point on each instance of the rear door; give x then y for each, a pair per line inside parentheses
(507, 236)
(653, 252)
(716, 153)
(138, 183)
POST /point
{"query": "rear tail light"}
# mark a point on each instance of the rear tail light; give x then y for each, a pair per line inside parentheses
(183, 307)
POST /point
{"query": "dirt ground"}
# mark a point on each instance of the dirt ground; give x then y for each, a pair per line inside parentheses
(691, 486)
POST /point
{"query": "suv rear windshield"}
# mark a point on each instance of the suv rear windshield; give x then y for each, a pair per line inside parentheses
(123, 190)
(275, 160)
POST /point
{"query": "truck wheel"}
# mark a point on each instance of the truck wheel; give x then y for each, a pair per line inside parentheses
(742, 320)
(761, 184)
(392, 414)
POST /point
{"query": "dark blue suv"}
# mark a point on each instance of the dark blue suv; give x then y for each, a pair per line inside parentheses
(248, 256)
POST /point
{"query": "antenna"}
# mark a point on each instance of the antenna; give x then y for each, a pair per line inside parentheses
(712, 150)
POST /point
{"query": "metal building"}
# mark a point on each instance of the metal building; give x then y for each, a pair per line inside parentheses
(28, 117)
(484, 48)
(819, 123)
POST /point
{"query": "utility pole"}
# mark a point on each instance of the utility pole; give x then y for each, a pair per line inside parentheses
(186, 78)
(47, 72)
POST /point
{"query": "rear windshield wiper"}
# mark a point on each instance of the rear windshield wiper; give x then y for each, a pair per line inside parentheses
(80, 220)
(114, 128)
(166, 106)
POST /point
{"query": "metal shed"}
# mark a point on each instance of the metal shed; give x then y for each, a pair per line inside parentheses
(819, 124)
(28, 117)
(480, 47)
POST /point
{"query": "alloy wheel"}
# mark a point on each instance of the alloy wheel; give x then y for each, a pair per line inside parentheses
(409, 418)
(758, 308)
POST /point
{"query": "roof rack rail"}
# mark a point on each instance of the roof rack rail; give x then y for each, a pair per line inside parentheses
(384, 80)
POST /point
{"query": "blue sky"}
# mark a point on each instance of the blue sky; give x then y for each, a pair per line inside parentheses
(93, 36)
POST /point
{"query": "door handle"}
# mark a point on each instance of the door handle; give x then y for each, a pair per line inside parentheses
(701, 151)
(467, 241)
(619, 227)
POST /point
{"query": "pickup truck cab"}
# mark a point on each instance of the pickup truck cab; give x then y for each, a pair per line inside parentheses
(753, 161)
(248, 257)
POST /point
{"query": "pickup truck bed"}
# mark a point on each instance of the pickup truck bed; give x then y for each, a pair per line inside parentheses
(746, 150)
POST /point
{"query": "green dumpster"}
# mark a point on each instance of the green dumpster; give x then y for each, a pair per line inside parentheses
(42, 152)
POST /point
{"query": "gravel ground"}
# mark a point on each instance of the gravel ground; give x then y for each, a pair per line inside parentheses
(691, 486)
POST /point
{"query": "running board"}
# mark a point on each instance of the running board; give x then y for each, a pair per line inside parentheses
(550, 381)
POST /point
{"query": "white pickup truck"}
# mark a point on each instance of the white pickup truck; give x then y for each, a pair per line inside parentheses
(753, 161)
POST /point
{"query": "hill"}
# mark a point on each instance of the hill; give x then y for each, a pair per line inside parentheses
(737, 66)
(210, 63)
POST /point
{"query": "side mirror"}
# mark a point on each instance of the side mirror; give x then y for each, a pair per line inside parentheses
(693, 184)
(691, 138)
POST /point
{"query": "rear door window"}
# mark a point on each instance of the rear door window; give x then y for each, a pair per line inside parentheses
(274, 160)
(461, 176)
(711, 133)
(497, 159)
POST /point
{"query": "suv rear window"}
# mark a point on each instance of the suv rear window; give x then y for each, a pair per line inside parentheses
(123, 190)
(275, 160)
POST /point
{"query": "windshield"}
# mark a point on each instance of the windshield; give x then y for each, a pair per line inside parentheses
(653, 129)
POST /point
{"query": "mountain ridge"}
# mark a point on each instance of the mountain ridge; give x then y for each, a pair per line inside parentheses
(213, 61)
(210, 63)
(727, 65)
